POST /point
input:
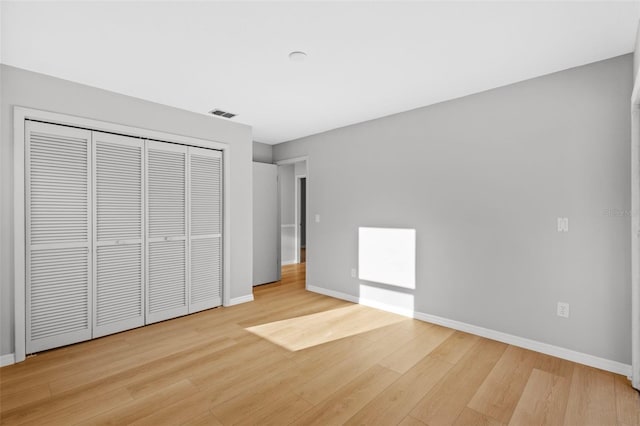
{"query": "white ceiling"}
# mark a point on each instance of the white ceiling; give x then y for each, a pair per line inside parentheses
(365, 59)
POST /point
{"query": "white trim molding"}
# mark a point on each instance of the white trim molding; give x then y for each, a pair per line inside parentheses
(635, 232)
(20, 115)
(521, 342)
(7, 359)
(288, 262)
(239, 300)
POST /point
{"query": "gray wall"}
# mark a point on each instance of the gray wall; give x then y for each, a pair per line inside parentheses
(636, 55)
(483, 179)
(28, 89)
(262, 153)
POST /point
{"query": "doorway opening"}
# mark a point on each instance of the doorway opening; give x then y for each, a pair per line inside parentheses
(301, 240)
(293, 196)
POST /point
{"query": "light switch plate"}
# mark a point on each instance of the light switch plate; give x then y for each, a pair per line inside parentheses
(563, 224)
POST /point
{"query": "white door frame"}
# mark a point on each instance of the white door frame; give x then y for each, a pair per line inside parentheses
(20, 115)
(297, 236)
(635, 234)
(292, 161)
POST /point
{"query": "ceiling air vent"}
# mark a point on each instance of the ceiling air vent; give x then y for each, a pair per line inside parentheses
(221, 113)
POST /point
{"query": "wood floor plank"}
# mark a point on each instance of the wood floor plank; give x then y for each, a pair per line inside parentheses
(627, 402)
(261, 394)
(416, 349)
(543, 401)
(330, 380)
(444, 403)
(455, 347)
(394, 403)
(66, 414)
(282, 411)
(228, 383)
(470, 417)
(191, 408)
(14, 400)
(411, 421)
(555, 366)
(591, 398)
(205, 419)
(498, 395)
(135, 410)
(349, 399)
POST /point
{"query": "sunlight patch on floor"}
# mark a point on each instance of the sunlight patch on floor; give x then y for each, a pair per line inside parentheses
(306, 331)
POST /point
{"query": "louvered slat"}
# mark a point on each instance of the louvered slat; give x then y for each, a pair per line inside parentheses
(206, 194)
(118, 189)
(58, 195)
(166, 193)
(119, 261)
(119, 284)
(58, 186)
(206, 271)
(167, 280)
(205, 211)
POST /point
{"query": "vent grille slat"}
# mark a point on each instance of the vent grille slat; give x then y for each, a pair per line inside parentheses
(221, 113)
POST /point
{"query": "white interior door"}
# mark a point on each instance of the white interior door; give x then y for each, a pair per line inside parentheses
(58, 232)
(266, 224)
(166, 190)
(118, 298)
(205, 229)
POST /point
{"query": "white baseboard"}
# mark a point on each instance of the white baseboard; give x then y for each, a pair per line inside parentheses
(332, 293)
(7, 359)
(288, 262)
(241, 299)
(534, 345)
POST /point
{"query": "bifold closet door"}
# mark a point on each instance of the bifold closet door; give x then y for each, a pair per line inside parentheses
(58, 233)
(167, 277)
(118, 259)
(205, 228)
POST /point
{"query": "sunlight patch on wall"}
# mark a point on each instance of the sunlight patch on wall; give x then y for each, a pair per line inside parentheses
(387, 256)
(306, 331)
(388, 299)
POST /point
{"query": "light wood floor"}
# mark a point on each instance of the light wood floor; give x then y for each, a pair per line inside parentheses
(294, 357)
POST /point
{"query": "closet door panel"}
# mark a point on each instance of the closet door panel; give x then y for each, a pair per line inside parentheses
(205, 239)
(206, 273)
(58, 228)
(118, 235)
(167, 280)
(167, 254)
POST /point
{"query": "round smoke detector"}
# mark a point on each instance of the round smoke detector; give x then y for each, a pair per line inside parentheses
(297, 56)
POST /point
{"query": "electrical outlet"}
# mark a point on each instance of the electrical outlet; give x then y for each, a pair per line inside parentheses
(354, 273)
(563, 309)
(563, 224)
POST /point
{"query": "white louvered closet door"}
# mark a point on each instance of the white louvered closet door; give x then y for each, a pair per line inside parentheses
(118, 183)
(58, 232)
(205, 236)
(167, 278)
